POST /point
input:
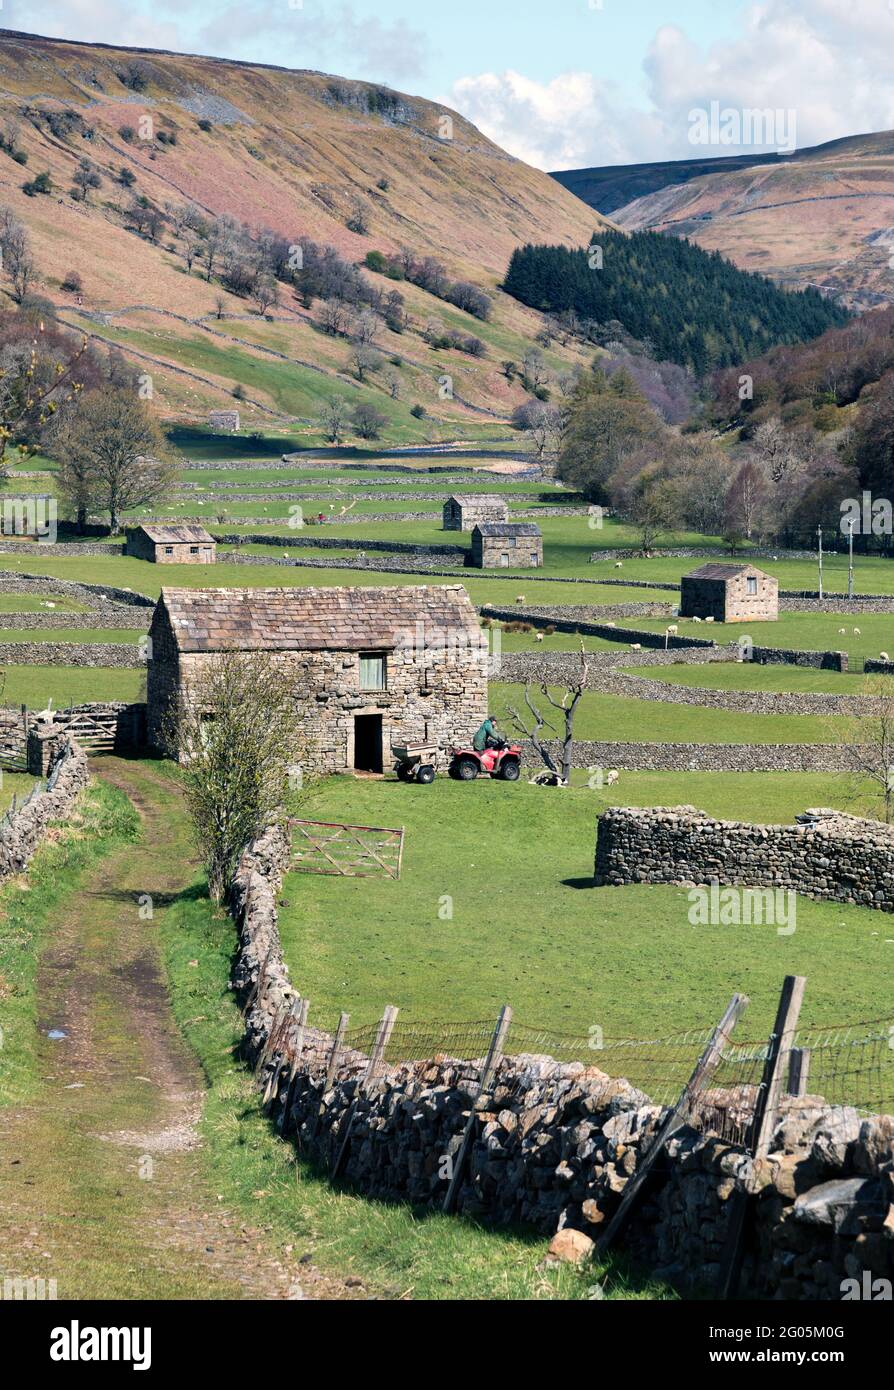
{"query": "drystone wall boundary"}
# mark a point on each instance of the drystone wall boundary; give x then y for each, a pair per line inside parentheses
(558, 1142)
(22, 833)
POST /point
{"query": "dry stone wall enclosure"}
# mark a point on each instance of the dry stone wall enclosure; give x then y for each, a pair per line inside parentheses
(829, 855)
(557, 1142)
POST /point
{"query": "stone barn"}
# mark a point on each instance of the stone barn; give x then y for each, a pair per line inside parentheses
(462, 513)
(371, 668)
(507, 545)
(171, 545)
(224, 420)
(729, 594)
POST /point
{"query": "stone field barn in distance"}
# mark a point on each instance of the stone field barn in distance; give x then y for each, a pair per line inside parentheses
(172, 545)
(507, 545)
(729, 594)
(371, 668)
(461, 513)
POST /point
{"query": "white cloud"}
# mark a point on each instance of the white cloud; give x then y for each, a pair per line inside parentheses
(86, 21)
(825, 61)
(337, 41)
(573, 120)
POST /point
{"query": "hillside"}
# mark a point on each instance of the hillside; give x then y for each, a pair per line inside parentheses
(611, 186)
(293, 154)
(823, 217)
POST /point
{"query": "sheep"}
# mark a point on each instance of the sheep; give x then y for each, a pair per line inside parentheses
(856, 632)
(673, 629)
(520, 598)
(842, 631)
(709, 620)
(883, 656)
(539, 637)
(619, 564)
(611, 778)
(636, 646)
(696, 620)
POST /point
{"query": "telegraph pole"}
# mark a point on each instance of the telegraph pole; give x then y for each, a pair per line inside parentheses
(850, 567)
(819, 532)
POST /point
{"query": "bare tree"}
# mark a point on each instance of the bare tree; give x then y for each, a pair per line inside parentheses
(870, 740)
(240, 736)
(363, 359)
(265, 293)
(333, 419)
(110, 460)
(534, 722)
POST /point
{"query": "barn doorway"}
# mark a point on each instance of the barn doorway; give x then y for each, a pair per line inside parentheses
(368, 743)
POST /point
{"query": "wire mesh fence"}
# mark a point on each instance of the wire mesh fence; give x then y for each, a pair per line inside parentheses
(849, 1065)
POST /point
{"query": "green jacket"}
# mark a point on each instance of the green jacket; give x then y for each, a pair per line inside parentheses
(487, 730)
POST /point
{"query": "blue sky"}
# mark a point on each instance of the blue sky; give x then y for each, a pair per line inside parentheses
(559, 82)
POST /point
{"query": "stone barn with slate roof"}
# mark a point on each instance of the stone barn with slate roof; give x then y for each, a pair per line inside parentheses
(171, 545)
(371, 668)
(729, 594)
(462, 512)
(507, 545)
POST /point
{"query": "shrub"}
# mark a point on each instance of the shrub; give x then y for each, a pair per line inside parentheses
(42, 183)
(73, 283)
(376, 260)
(20, 156)
(239, 392)
(127, 133)
(418, 411)
(205, 124)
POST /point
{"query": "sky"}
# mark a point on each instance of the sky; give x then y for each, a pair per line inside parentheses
(559, 83)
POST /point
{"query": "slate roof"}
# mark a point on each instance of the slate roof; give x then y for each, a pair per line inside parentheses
(721, 571)
(172, 535)
(298, 619)
(507, 528)
(478, 499)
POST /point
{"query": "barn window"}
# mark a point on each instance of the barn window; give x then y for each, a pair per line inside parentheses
(372, 670)
(169, 550)
(193, 550)
(752, 584)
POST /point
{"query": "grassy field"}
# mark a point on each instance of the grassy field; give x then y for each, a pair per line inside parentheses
(527, 927)
(743, 675)
(34, 686)
(615, 718)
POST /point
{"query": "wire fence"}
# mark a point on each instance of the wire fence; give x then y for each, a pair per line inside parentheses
(849, 1065)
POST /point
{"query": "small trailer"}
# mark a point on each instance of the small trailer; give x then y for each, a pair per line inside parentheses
(415, 762)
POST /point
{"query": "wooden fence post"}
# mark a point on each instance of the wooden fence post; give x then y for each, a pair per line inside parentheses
(299, 1013)
(492, 1061)
(383, 1034)
(279, 1018)
(763, 1123)
(332, 1067)
(798, 1071)
(704, 1069)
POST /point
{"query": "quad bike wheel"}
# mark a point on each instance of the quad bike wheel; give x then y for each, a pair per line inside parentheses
(509, 770)
(466, 769)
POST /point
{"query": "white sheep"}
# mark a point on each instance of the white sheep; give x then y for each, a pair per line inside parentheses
(521, 598)
(696, 620)
(883, 656)
(673, 629)
(709, 620)
(842, 631)
(856, 632)
(619, 564)
(539, 637)
(636, 646)
(611, 778)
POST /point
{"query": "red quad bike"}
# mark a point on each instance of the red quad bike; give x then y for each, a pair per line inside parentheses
(503, 760)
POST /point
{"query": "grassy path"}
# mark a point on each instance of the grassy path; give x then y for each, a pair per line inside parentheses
(101, 1182)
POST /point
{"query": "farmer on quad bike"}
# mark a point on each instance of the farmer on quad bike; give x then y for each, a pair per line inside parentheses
(487, 736)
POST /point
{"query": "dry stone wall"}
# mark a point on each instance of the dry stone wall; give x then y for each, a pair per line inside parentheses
(831, 855)
(22, 833)
(557, 1142)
